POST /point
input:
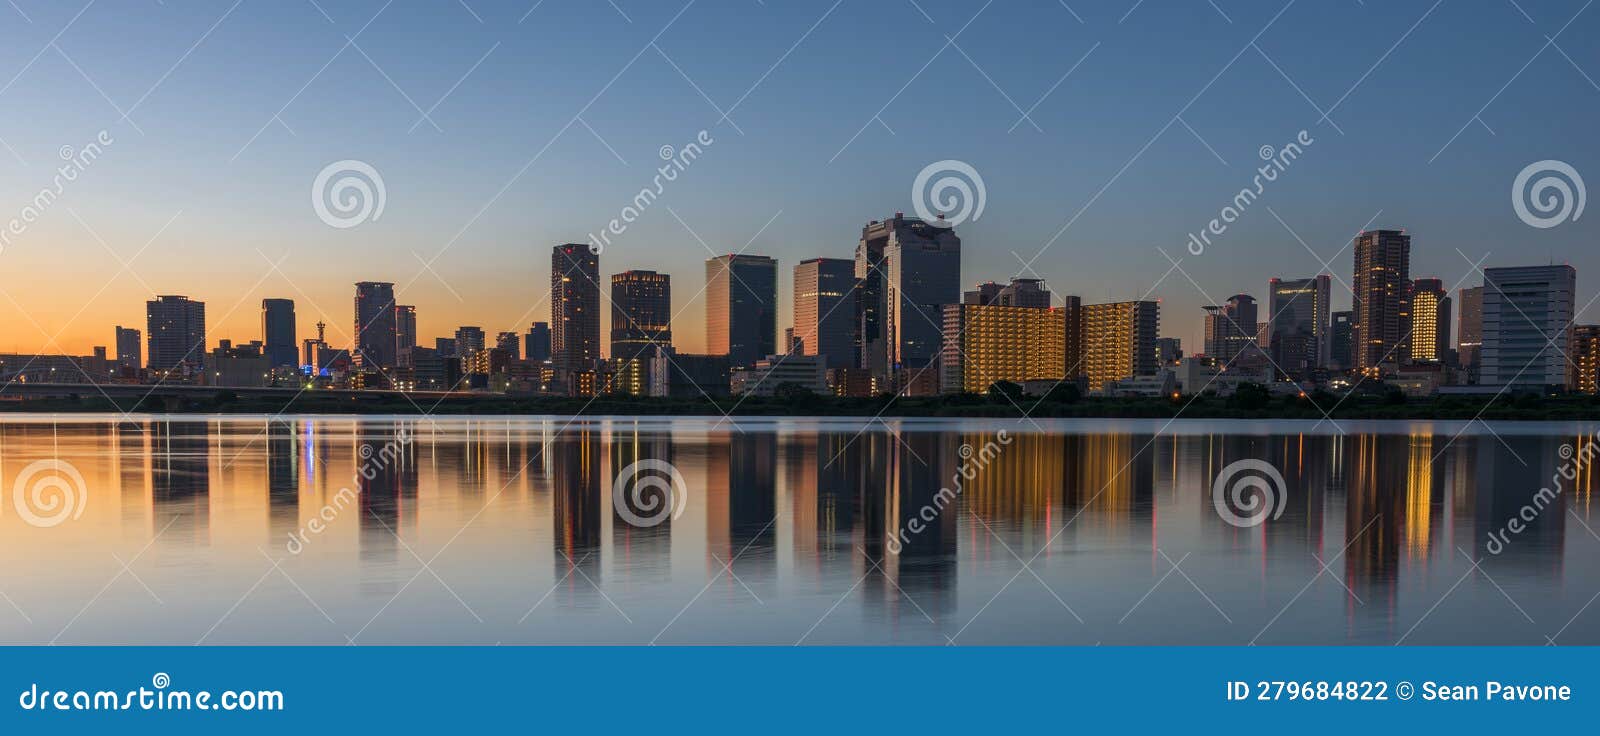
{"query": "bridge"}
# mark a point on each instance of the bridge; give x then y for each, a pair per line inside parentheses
(172, 397)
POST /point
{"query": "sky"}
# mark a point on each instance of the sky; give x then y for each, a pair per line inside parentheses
(1104, 134)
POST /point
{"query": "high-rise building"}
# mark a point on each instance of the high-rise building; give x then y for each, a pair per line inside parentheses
(574, 308)
(1341, 340)
(538, 343)
(129, 351)
(906, 271)
(1119, 341)
(1072, 343)
(988, 343)
(641, 313)
(1583, 364)
(1169, 350)
(1018, 293)
(1470, 327)
(175, 332)
(510, 343)
(1231, 327)
(824, 307)
(375, 328)
(1382, 300)
(1430, 321)
(742, 307)
(1527, 318)
(1297, 323)
(641, 323)
(277, 332)
(405, 333)
(469, 341)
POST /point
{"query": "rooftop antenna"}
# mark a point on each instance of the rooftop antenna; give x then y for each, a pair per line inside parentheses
(321, 326)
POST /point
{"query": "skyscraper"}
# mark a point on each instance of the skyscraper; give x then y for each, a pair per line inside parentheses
(1527, 318)
(538, 343)
(907, 270)
(510, 343)
(129, 351)
(1119, 341)
(1382, 300)
(641, 313)
(742, 307)
(1469, 332)
(641, 317)
(1430, 321)
(375, 325)
(1231, 327)
(574, 307)
(1341, 340)
(1297, 323)
(175, 331)
(405, 333)
(277, 332)
(824, 307)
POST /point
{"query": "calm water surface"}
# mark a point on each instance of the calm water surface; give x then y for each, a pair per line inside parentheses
(504, 531)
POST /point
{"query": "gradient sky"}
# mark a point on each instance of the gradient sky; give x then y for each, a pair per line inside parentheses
(560, 122)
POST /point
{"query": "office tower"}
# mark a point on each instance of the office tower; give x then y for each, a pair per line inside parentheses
(742, 307)
(405, 333)
(987, 343)
(175, 332)
(641, 313)
(824, 308)
(1470, 328)
(1231, 327)
(1381, 301)
(1119, 341)
(1583, 364)
(375, 328)
(574, 308)
(641, 316)
(1169, 351)
(1527, 315)
(510, 343)
(277, 332)
(1430, 321)
(129, 352)
(906, 271)
(538, 343)
(1297, 323)
(1341, 337)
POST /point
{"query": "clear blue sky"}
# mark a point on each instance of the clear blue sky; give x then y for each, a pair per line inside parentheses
(234, 133)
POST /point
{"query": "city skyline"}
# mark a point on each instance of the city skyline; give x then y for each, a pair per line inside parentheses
(1091, 168)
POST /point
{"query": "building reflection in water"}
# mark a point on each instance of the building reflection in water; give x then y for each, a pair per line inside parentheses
(644, 546)
(385, 477)
(577, 504)
(180, 480)
(1387, 512)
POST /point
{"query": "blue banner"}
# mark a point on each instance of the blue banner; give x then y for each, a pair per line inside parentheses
(260, 690)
